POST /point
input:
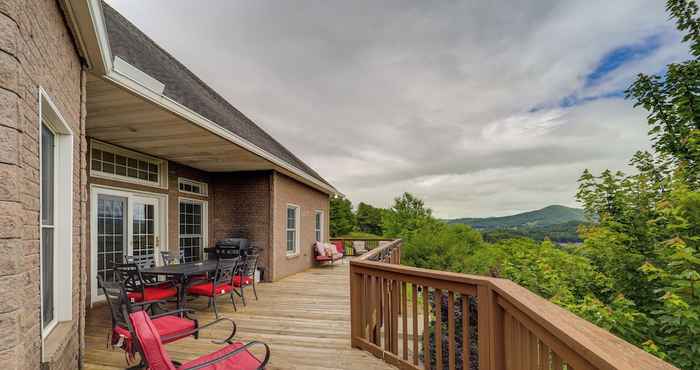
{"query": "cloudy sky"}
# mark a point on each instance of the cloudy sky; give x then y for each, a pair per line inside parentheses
(479, 107)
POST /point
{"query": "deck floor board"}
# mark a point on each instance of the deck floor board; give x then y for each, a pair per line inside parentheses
(305, 318)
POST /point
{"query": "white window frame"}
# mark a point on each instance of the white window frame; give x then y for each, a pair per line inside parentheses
(318, 226)
(297, 227)
(205, 223)
(162, 165)
(202, 185)
(50, 116)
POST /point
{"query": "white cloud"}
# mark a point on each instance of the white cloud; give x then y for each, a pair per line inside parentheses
(434, 98)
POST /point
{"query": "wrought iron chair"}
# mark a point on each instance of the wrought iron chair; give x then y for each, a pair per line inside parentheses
(234, 356)
(245, 276)
(143, 262)
(139, 289)
(171, 325)
(218, 284)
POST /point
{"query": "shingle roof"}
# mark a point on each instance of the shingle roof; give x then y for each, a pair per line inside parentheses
(133, 46)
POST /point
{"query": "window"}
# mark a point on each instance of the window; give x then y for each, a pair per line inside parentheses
(121, 164)
(292, 229)
(192, 229)
(191, 186)
(56, 215)
(319, 226)
(48, 155)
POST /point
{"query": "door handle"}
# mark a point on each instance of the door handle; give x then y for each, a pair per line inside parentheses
(157, 241)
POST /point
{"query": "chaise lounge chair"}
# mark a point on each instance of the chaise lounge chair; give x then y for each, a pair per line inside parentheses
(235, 356)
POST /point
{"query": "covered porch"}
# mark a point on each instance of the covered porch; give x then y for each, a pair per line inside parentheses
(304, 318)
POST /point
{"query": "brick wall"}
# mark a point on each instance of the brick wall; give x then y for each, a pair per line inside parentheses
(286, 191)
(36, 49)
(242, 209)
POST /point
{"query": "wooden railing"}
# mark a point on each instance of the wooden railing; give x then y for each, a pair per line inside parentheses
(370, 243)
(479, 322)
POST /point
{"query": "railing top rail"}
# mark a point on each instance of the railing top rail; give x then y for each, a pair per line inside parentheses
(598, 346)
(377, 251)
(361, 238)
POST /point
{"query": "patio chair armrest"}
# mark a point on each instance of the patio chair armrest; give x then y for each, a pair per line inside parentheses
(228, 355)
(196, 330)
(174, 312)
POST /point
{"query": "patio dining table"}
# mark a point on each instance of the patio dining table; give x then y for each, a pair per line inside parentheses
(183, 273)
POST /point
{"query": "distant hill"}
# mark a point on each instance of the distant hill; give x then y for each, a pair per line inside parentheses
(547, 216)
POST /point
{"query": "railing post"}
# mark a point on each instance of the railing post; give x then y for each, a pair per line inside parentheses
(487, 326)
(356, 289)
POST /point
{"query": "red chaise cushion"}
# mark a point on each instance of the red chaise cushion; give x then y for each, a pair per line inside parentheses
(149, 340)
(237, 280)
(153, 294)
(244, 360)
(205, 289)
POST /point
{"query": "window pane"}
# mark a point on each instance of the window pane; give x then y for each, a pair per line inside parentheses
(47, 275)
(47, 175)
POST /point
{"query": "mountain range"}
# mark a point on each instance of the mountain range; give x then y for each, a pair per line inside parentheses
(547, 216)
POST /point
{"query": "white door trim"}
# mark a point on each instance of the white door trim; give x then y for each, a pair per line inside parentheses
(162, 227)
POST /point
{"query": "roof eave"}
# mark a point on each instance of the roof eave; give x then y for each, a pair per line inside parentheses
(88, 25)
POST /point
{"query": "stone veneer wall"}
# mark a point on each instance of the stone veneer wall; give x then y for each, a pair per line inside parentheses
(36, 49)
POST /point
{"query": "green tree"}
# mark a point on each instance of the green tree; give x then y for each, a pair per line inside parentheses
(648, 222)
(342, 218)
(369, 219)
(407, 215)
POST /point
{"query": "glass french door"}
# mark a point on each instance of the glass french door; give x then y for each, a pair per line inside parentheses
(125, 224)
(111, 234)
(143, 233)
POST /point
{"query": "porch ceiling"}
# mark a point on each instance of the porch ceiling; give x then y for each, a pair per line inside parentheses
(119, 117)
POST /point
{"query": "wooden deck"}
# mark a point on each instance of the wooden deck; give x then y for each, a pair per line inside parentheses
(305, 319)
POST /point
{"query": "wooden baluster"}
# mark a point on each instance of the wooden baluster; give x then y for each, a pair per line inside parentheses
(533, 352)
(426, 327)
(509, 352)
(466, 345)
(404, 319)
(544, 356)
(525, 346)
(365, 306)
(387, 314)
(557, 363)
(517, 345)
(378, 311)
(451, 330)
(395, 293)
(438, 327)
(414, 313)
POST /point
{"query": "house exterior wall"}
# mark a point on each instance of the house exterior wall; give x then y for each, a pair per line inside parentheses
(243, 210)
(36, 50)
(289, 191)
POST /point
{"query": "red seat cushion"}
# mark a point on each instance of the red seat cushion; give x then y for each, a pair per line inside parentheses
(153, 294)
(323, 258)
(339, 247)
(244, 360)
(205, 289)
(167, 326)
(246, 280)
